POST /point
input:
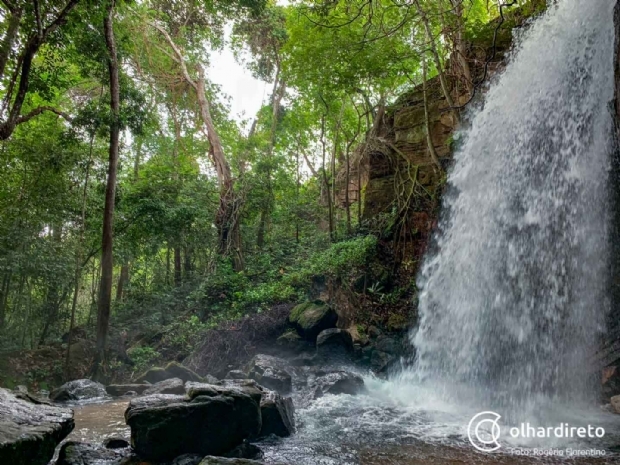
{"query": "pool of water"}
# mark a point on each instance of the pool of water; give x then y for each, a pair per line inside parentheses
(390, 424)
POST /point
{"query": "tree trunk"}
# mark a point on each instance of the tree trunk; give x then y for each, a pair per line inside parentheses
(461, 49)
(177, 266)
(429, 139)
(228, 215)
(107, 263)
(123, 279)
(435, 53)
(279, 86)
(326, 182)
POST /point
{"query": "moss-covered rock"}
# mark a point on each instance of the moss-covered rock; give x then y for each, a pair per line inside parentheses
(311, 318)
(172, 370)
(154, 375)
(179, 371)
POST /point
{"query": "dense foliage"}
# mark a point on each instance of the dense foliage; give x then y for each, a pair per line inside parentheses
(214, 218)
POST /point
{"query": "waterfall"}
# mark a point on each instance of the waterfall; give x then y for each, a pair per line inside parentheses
(513, 297)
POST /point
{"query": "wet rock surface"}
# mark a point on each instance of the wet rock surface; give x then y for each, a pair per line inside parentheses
(278, 415)
(79, 389)
(271, 372)
(168, 386)
(29, 433)
(79, 453)
(228, 461)
(340, 382)
(245, 451)
(209, 420)
(115, 442)
(335, 344)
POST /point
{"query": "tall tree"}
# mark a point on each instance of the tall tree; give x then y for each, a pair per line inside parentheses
(107, 263)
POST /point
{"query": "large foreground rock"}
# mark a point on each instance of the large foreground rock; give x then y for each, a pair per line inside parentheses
(29, 433)
(277, 411)
(79, 389)
(311, 318)
(210, 420)
(271, 373)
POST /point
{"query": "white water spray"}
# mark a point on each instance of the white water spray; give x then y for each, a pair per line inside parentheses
(513, 301)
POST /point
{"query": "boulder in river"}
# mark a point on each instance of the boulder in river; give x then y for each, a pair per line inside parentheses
(227, 461)
(270, 372)
(187, 459)
(277, 414)
(168, 386)
(335, 344)
(311, 318)
(115, 442)
(338, 382)
(79, 453)
(79, 389)
(118, 390)
(209, 420)
(245, 451)
(615, 404)
(29, 433)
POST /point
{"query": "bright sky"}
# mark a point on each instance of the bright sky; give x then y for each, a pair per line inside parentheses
(246, 92)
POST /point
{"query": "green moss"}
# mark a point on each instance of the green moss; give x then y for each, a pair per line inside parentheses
(397, 322)
(308, 313)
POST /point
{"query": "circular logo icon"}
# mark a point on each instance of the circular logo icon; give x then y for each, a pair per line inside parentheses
(483, 431)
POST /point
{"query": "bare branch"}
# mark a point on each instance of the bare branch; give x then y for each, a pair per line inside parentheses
(37, 111)
(178, 54)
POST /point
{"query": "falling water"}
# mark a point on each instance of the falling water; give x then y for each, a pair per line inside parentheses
(513, 301)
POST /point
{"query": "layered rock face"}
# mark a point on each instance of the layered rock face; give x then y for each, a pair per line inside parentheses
(29, 433)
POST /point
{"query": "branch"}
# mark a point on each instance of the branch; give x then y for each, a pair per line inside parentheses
(9, 5)
(60, 19)
(39, 110)
(37, 14)
(178, 54)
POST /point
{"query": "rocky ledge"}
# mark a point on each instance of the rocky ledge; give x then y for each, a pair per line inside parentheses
(29, 433)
